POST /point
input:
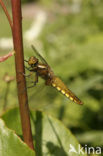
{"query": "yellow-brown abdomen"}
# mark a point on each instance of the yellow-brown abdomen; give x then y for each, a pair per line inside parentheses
(60, 86)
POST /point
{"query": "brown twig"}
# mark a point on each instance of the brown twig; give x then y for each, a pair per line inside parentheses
(19, 64)
(6, 13)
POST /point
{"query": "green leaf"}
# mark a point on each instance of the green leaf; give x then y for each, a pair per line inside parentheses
(50, 136)
(92, 137)
(11, 144)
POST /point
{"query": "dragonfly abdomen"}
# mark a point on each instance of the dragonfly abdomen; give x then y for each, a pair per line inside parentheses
(60, 86)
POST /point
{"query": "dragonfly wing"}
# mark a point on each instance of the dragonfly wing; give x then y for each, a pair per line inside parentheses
(60, 86)
(38, 55)
(41, 58)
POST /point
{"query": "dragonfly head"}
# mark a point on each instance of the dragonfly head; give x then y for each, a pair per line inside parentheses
(33, 61)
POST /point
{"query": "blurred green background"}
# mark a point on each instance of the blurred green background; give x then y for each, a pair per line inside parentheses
(71, 40)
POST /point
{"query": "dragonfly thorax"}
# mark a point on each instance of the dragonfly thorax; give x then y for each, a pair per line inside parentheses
(33, 61)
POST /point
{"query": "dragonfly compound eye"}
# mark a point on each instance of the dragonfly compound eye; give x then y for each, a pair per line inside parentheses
(32, 60)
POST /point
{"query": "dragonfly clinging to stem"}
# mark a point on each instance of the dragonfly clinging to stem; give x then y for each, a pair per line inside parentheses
(43, 70)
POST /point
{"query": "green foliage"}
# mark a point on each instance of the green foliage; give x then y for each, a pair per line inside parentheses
(11, 144)
(28, 1)
(49, 135)
(73, 46)
(92, 136)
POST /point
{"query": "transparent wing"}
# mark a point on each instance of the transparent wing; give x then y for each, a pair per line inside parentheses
(30, 78)
(37, 53)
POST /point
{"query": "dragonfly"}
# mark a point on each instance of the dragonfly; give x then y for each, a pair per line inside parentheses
(43, 70)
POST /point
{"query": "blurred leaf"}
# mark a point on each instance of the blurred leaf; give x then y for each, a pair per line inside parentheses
(10, 143)
(73, 46)
(91, 137)
(50, 136)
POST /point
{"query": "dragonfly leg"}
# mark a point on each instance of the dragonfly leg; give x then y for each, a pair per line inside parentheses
(31, 69)
(34, 82)
(31, 86)
(36, 78)
(28, 68)
(27, 75)
(26, 61)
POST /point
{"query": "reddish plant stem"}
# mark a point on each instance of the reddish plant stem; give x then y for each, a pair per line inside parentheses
(19, 64)
(6, 13)
(5, 57)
